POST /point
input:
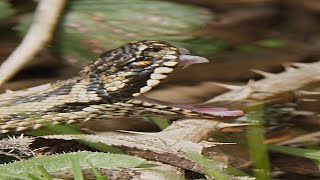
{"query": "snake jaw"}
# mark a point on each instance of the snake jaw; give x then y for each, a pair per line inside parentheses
(194, 108)
(187, 60)
(168, 66)
(170, 58)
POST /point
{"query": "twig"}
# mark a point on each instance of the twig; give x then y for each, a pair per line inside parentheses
(169, 146)
(40, 33)
(278, 87)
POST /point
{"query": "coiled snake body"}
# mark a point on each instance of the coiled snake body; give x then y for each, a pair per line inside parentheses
(103, 89)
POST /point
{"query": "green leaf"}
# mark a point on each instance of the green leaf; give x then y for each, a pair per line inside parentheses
(76, 168)
(91, 27)
(5, 173)
(57, 129)
(162, 123)
(96, 173)
(44, 172)
(203, 46)
(247, 48)
(211, 168)
(302, 152)
(5, 9)
(258, 150)
(272, 43)
(60, 162)
(34, 177)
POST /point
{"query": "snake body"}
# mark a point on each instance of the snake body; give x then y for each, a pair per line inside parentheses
(103, 89)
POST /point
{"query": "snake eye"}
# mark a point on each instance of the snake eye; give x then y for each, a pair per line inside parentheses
(154, 49)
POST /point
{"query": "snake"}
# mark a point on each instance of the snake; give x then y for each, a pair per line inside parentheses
(108, 87)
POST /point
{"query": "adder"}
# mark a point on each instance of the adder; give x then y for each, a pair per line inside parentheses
(106, 88)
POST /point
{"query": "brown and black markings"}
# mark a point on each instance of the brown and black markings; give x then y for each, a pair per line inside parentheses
(103, 89)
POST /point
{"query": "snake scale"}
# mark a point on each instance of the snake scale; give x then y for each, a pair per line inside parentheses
(103, 89)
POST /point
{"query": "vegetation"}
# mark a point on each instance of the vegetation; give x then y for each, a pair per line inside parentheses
(264, 61)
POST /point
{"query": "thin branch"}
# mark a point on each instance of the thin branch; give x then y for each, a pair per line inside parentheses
(40, 33)
(169, 146)
(278, 87)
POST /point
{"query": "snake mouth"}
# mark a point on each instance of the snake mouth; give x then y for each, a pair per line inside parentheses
(212, 111)
(185, 59)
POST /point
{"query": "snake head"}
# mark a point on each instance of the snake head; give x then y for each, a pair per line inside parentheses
(137, 67)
